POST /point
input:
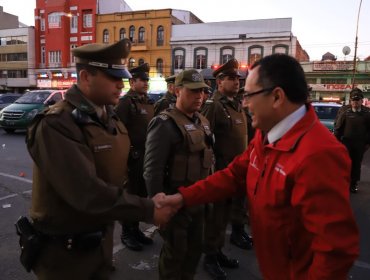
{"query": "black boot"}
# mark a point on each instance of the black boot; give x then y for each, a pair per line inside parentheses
(225, 261)
(141, 237)
(238, 239)
(128, 239)
(213, 268)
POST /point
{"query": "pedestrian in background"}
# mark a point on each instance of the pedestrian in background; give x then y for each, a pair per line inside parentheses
(169, 99)
(229, 124)
(80, 150)
(178, 153)
(296, 175)
(352, 128)
(135, 110)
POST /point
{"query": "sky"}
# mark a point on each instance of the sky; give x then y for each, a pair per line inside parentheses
(320, 25)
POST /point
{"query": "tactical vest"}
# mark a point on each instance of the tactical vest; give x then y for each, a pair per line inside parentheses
(193, 160)
(231, 140)
(141, 114)
(109, 149)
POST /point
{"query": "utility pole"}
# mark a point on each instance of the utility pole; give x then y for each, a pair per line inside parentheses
(355, 57)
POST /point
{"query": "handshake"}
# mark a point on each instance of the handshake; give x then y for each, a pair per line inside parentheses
(165, 207)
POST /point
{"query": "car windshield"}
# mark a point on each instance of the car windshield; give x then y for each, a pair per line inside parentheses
(8, 99)
(33, 97)
(326, 112)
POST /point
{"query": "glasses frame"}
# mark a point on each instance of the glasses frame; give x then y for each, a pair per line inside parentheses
(249, 95)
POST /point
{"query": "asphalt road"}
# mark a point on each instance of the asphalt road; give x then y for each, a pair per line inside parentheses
(15, 195)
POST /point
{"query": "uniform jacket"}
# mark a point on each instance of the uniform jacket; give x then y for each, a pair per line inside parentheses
(229, 125)
(353, 126)
(178, 151)
(167, 101)
(297, 187)
(135, 112)
(80, 169)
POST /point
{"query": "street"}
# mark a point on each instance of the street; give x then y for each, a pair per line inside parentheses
(15, 197)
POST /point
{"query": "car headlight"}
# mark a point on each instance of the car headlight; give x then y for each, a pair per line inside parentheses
(31, 114)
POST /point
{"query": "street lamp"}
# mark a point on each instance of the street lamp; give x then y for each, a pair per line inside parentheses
(355, 57)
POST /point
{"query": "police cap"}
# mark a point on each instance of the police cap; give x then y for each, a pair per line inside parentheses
(229, 68)
(356, 94)
(109, 58)
(170, 79)
(141, 72)
(190, 79)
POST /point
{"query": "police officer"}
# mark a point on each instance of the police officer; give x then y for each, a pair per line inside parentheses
(352, 128)
(135, 110)
(80, 149)
(169, 99)
(229, 124)
(178, 152)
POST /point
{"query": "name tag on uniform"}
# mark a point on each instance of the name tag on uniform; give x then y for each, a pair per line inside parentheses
(238, 121)
(190, 127)
(100, 148)
(143, 111)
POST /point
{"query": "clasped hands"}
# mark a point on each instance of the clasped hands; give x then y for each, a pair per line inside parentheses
(166, 206)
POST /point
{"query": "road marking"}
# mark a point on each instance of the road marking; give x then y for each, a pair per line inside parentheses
(362, 264)
(16, 178)
(8, 196)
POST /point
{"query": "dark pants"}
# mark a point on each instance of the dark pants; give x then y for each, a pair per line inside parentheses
(356, 150)
(217, 216)
(182, 246)
(58, 263)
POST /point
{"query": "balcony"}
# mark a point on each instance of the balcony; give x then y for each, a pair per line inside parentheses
(138, 45)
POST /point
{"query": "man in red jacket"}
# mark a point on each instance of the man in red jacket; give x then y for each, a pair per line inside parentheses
(296, 175)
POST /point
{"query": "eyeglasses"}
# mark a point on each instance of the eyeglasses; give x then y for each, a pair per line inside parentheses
(248, 95)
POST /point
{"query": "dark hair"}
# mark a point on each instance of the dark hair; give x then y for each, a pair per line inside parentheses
(283, 71)
(90, 69)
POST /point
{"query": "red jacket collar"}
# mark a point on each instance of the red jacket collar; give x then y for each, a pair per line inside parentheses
(290, 140)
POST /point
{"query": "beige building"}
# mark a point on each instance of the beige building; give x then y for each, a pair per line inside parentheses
(149, 32)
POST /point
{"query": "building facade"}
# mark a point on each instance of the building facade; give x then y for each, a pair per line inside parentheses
(60, 26)
(149, 32)
(17, 60)
(332, 81)
(208, 45)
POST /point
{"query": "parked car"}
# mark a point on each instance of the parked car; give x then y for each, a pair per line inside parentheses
(7, 99)
(20, 114)
(156, 95)
(327, 112)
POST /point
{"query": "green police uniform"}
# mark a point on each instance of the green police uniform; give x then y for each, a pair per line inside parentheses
(135, 111)
(178, 153)
(352, 128)
(168, 100)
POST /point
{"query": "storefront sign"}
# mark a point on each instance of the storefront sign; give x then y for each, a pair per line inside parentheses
(338, 87)
(332, 65)
(67, 83)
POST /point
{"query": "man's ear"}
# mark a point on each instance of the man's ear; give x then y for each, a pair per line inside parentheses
(177, 91)
(84, 75)
(279, 96)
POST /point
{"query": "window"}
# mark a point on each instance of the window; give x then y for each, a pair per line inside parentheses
(122, 33)
(43, 58)
(226, 53)
(16, 57)
(72, 57)
(160, 35)
(179, 59)
(13, 40)
(200, 56)
(87, 19)
(280, 49)
(42, 24)
(17, 73)
(106, 36)
(74, 24)
(56, 97)
(160, 66)
(54, 20)
(132, 33)
(141, 35)
(55, 57)
(255, 53)
(141, 61)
